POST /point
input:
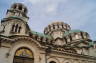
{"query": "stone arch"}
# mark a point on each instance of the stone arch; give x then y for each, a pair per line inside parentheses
(28, 39)
(23, 54)
(20, 44)
(75, 61)
(67, 61)
(52, 62)
(54, 59)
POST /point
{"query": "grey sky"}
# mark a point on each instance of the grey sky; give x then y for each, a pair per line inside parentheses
(80, 14)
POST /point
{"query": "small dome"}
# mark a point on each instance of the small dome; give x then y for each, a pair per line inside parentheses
(56, 26)
(76, 34)
(20, 7)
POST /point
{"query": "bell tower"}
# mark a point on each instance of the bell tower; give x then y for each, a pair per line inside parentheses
(18, 10)
(15, 21)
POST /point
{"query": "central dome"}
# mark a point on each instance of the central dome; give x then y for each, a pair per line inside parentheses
(56, 26)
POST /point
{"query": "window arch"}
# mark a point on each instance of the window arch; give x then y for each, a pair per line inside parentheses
(67, 61)
(16, 28)
(19, 30)
(23, 55)
(20, 7)
(52, 62)
(13, 26)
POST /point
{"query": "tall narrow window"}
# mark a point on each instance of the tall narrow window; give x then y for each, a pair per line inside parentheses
(20, 7)
(19, 30)
(23, 55)
(14, 6)
(82, 35)
(25, 10)
(13, 27)
(16, 28)
(65, 40)
(70, 38)
(53, 26)
(49, 27)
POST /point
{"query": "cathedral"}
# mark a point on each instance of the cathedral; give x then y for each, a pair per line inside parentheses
(58, 44)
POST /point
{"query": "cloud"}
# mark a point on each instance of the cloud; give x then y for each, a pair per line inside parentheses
(79, 13)
(37, 1)
(50, 8)
(46, 1)
(76, 13)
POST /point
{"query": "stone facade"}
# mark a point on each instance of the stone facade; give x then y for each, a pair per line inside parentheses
(58, 44)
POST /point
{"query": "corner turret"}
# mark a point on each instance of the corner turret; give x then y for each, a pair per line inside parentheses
(18, 10)
(15, 22)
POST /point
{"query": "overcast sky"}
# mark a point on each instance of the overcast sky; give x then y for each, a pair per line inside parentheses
(80, 14)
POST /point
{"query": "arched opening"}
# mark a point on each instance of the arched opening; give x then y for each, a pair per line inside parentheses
(16, 28)
(20, 7)
(19, 30)
(52, 62)
(23, 55)
(13, 26)
(25, 10)
(15, 6)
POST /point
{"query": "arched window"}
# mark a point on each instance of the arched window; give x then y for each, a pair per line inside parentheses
(25, 10)
(82, 35)
(65, 40)
(70, 38)
(52, 62)
(23, 55)
(20, 7)
(13, 28)
(15, 6)
(19, 30)
(16, 28)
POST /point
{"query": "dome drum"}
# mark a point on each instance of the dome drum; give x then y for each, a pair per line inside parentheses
(77, 36)
(40, 38)
(56, 26)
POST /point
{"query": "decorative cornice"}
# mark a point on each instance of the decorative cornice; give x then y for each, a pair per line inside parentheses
(16, 38)
(43, 42)
(14, 10)
(12, 18)
(76, 55)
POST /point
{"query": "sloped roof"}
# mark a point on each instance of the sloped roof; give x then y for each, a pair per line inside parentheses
(71, 31)
(41, 34)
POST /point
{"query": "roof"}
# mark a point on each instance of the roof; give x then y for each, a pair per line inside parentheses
(71, 31)
(15, 17)
(41, 34)
(91, 43)
(11, 17)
